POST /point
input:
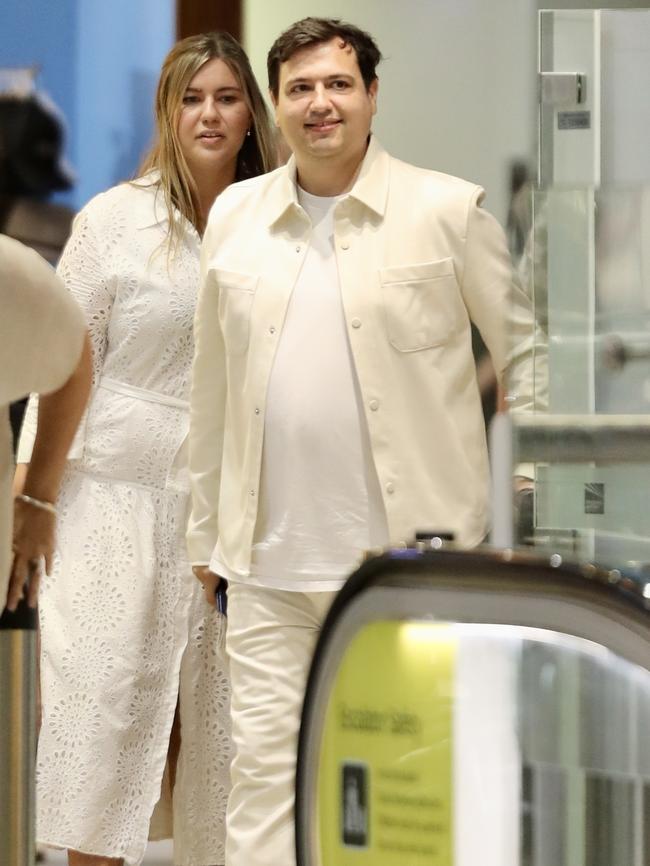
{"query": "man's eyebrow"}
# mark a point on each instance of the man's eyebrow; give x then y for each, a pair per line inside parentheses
(299, 79)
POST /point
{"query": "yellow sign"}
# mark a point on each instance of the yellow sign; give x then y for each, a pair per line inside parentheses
(385, 774)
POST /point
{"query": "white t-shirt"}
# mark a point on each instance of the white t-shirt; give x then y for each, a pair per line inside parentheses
(41, 337)
(320, 504)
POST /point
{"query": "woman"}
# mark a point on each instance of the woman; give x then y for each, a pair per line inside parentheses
(125, 632)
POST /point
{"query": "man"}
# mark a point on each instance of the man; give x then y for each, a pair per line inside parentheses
(335, 405)
(43, 348)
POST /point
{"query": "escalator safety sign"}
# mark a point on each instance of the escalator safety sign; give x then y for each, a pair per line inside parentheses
(385, 793)
(354, 797)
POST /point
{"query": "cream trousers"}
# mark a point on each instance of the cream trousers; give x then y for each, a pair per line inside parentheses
(270, 640)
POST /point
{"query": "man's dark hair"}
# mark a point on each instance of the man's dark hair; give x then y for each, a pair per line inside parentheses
(313, 31)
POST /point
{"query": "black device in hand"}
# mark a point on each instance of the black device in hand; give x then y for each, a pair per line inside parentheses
(222, 597)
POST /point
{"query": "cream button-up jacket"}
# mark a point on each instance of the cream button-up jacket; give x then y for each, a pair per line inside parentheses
(418, 259)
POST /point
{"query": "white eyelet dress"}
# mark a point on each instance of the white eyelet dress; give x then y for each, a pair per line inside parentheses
(125, 630)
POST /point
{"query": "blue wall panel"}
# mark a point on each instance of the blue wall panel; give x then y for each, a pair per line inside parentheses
(99, 62)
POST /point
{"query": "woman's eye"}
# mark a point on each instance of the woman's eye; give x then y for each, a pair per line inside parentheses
(227, 100)
(190, 100)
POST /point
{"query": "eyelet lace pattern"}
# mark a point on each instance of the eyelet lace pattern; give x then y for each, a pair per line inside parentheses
(125, 630)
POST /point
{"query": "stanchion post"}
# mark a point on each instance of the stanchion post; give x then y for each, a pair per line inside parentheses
(17, 735)
(502, 461)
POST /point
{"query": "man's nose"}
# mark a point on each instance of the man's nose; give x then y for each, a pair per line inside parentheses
(320, 99)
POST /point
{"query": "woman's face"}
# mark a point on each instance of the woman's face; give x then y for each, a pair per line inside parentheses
(214, 120)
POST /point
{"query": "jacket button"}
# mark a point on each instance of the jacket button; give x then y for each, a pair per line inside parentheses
(257, 410)
(252, 492)
(271, 330)
(356, 323)
(374, 405)
(298, 249)
(390, 487)
(345, 245)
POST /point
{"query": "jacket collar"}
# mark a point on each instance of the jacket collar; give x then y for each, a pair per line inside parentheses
(370, 187)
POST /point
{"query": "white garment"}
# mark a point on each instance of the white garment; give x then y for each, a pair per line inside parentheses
(320, 503)
(122, 617)
(418, 260)
(41, 334)
(271, 638)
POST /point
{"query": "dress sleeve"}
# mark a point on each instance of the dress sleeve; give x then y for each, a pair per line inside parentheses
(80, 268)
(207, 414)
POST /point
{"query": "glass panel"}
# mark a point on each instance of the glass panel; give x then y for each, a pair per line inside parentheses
(569, 117)
(464, 743)
(625, 107)
(587, 268)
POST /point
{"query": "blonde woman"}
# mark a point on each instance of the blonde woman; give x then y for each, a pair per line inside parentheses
(126, 635)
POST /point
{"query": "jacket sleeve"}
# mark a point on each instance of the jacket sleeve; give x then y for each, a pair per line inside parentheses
(502, 311)
(80, 268)
(207, 414)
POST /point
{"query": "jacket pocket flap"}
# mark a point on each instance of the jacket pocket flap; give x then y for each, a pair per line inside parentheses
(415, 273)
(235, 280)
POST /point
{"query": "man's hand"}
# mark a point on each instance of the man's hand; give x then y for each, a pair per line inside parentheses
(209, 581)
(33, 545)
(524, 502)
(522, 482)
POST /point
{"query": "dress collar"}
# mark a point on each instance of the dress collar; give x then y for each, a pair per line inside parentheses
(155, 212)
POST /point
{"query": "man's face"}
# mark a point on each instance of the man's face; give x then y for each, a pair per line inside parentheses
(323, 107)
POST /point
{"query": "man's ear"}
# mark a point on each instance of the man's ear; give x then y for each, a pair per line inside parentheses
(372, 93)
(274, 103)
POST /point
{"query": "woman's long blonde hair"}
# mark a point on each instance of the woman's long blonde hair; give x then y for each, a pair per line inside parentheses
(257, 154)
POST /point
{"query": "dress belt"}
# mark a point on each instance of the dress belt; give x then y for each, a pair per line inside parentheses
(141, 393)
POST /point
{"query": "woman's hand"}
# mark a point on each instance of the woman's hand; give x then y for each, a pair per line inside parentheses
(33, 541)
(33, 545)
(209, 581)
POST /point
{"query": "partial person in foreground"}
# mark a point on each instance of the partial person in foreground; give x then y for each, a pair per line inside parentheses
(334, 403)
(127, 635)
(44, 348)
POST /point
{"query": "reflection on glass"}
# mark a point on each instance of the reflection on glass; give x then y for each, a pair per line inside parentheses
(476, 743)
(586, 266)
(585, 755)
(587, 269)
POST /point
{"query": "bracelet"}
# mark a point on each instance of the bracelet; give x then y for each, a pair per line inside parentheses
(37, 503)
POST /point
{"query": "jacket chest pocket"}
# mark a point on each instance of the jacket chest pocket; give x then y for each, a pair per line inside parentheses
(422, 304)
(236, 296)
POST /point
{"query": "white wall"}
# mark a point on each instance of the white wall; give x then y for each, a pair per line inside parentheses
(457, 85)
